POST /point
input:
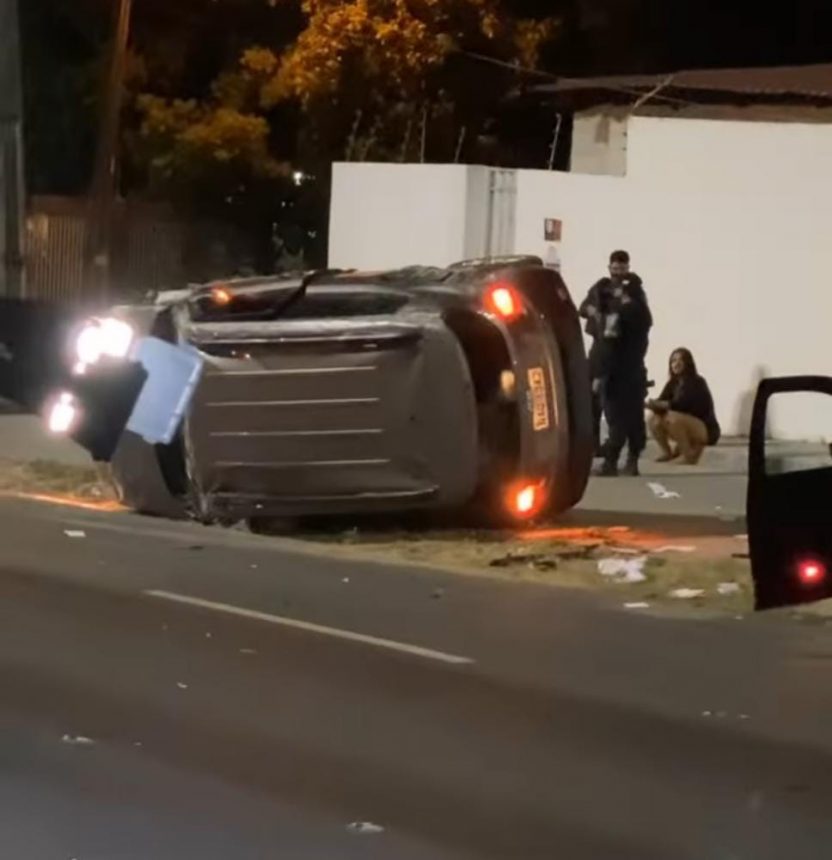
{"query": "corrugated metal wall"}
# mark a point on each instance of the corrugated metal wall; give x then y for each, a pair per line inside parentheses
(147, 253)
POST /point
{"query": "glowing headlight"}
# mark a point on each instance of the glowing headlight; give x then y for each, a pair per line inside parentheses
(103, 337)
(63, 414)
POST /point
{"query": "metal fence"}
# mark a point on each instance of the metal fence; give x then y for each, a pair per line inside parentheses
(151, 249)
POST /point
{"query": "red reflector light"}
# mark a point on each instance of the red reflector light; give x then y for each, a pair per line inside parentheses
(811, 572)
(503, 301)
(526, 500)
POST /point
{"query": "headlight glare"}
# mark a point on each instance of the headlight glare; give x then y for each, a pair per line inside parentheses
(63, 414)
(108, 337)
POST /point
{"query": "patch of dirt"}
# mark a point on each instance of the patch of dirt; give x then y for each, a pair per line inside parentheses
(569, 557)
(48, 479)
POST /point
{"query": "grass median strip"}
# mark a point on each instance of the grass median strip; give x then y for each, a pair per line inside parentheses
(59, 481)
(573, 558)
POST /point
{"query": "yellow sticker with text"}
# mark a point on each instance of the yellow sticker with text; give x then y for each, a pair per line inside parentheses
(540, 399)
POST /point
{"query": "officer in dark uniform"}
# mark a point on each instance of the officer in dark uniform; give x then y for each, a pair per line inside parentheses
(619, 321)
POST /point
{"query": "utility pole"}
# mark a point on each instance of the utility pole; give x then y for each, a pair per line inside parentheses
(103, 191)
(12, 187)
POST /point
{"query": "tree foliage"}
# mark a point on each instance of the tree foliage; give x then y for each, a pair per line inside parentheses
(393, 45)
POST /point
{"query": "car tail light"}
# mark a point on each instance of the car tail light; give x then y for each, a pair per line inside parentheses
(503, 301)
(526, 500)
(811, 572)
(221, 296)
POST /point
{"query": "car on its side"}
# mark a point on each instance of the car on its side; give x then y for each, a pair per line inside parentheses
(344, 392)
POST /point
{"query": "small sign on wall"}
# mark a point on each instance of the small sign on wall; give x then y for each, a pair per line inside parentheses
(552, 229)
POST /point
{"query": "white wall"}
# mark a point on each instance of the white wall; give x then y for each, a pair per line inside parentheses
(730, 225)
(391, 215)
(728, 222)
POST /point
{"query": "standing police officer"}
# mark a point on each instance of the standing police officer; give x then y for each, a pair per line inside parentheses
(619, 322)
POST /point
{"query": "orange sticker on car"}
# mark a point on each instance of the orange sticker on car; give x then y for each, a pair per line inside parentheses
(540, 399)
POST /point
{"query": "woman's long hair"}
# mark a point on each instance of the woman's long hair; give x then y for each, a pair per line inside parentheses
(690, 370)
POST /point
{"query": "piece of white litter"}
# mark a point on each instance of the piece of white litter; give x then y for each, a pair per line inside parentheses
(209, 635)
(365, 828)
(707, 714)
(346, 580)
(636, 605)
(247, 651)
(687, 593)
(671, 548)
(182, 686)
(75, 534)
(661, 492)
(726, 588)
(77, 741)
(626, 570)
(740, 537)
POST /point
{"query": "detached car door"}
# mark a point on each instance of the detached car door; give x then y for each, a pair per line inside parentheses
(789, 505)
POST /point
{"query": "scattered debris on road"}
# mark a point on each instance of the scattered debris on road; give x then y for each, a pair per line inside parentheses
(636, 605)
(182, 686)
(625, 570)
(75, 534)
(346, 580)
(365, 828)
(724, 715)
(438, 594)
(248, 651)
(727, 588)
(523, 557)
(661, 492)
(77, 741)
(687, 593)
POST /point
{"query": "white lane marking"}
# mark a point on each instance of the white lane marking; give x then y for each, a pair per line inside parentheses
(389, 644)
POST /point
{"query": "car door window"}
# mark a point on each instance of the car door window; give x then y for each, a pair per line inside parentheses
(789, 507)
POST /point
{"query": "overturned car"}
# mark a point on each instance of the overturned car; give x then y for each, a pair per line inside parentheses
(354, 392)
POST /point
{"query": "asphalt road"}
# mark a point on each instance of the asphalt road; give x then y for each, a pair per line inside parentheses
(294, 694)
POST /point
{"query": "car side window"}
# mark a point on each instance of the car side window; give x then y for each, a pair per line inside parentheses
(799, 433)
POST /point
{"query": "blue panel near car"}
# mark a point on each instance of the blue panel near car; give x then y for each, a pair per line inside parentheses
(173, 374)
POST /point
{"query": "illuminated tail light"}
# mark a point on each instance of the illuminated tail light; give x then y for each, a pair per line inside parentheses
(811, 572)
(221, 296)
(526, 500)
(503, 301)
